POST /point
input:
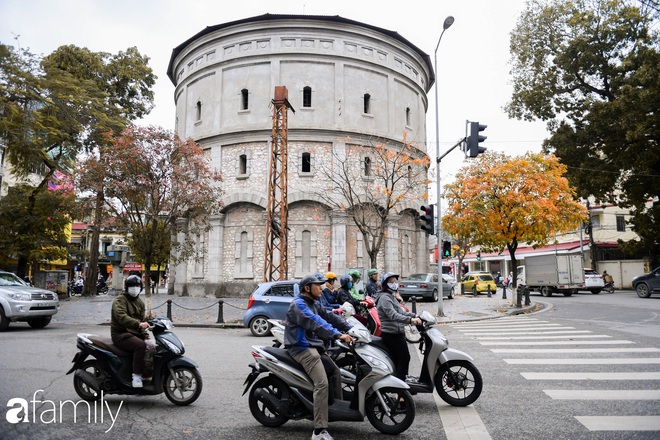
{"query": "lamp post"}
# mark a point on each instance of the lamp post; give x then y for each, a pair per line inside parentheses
(447, 23)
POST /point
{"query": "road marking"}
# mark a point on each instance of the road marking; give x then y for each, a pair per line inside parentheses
(560, 343)
(575, 350)
(509, 329)
(495, 338)
(459, 423)
(500, 323)
(530, 325)
(603, 394)
(508, 332)
(642, 375)
(620, 423)
(591, 361)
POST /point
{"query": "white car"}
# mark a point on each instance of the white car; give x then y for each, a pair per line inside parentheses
(593, 281)
(20, 302)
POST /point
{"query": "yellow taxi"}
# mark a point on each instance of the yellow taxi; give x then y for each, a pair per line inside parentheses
(478, 282)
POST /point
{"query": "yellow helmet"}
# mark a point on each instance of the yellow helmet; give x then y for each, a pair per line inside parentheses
(330, 276)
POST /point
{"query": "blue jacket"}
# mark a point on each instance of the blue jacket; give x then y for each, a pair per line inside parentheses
(310, 325)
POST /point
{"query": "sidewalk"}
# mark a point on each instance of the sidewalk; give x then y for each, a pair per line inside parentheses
(204, 312)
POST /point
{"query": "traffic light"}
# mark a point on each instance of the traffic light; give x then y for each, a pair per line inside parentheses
(427, 218)
(478, 255)
(446, 249)
(473, 148)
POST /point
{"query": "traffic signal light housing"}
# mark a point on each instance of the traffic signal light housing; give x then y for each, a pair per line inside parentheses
(478, 255)
(474, 138)
(446, 249)
(427, 218)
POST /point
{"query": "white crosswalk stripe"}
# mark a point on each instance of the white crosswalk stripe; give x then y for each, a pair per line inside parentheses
(577, 349)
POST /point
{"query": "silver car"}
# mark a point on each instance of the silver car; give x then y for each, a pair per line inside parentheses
(425, 285)
(21, 302)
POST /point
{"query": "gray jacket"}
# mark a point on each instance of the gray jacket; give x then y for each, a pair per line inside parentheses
(393, 318)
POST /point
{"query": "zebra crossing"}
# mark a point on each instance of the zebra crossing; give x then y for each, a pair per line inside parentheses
(537, 343)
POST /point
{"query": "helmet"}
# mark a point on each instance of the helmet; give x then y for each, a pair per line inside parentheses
(319, 276)
(133, 285)
(330, 276)
(373, 272)
(355, 274)
(383, 280)
(133, 281)
(310, 279)
(344, 280)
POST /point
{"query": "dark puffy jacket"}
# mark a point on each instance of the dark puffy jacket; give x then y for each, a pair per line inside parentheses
(309, 325)
(126, 316)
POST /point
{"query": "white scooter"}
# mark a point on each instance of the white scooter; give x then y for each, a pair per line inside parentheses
(285, 392)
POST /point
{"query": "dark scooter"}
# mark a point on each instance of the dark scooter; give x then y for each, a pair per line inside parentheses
(100, 366)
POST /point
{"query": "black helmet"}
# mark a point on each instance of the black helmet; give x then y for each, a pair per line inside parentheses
(310, 279)
(133, 281)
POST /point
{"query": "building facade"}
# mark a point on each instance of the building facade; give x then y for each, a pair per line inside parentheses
(349, 83)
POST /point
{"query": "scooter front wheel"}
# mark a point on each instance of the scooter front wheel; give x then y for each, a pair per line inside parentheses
(93, 367)
(400, 405)
(458, 383)
(184, 386)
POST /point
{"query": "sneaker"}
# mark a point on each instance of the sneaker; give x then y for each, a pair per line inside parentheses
(137, 381)
(323, 435)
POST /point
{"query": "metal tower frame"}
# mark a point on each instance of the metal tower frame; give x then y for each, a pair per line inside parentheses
(276, 265)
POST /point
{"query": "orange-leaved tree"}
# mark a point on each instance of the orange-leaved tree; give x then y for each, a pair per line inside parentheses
(502, 201)
(370, 180)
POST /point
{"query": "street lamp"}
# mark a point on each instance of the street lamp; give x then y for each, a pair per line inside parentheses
(447, 23)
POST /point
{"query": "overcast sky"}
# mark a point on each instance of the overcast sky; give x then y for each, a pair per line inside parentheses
(473, 57)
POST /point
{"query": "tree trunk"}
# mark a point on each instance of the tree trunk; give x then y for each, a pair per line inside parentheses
(22, 267)
(92, 274)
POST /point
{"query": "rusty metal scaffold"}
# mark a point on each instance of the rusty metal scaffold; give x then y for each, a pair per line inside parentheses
(277, 214)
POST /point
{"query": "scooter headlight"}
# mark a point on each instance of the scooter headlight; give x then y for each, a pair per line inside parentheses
(375, 362)
(172, 347)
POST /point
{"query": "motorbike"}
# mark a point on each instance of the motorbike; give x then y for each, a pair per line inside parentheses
(286, 392)
(450, 372)
(101, 367)
(609, 287)
(101, 287)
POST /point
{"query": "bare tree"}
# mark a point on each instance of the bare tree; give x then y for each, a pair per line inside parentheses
(370, 182)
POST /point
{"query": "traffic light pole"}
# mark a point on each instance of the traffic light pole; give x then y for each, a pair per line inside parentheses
(441, 311)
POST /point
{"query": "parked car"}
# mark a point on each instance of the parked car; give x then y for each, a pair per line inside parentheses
(270, 300)
(424, 285)
(647, 284)
(593, 281)
(21, 302)
(478, 282)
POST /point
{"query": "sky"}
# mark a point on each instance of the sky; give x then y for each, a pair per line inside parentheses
(473, 77)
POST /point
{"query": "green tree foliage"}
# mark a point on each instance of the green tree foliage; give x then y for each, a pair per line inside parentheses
(502, 201)
(151, 178)
(36, 231)
(591, 68)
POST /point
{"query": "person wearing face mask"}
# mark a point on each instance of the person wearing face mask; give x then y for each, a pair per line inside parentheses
(127, 325)
(393, 320)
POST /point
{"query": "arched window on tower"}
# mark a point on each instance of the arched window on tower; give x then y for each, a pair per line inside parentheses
(367, 103)
(198, 111)
(306, 163)
(307, 96)
(367, 166)
(242, 164)
(244, 99)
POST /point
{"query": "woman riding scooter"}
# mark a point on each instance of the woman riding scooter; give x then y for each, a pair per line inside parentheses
(128, 326)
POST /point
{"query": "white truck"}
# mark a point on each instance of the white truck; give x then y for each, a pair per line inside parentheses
(552, 273)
